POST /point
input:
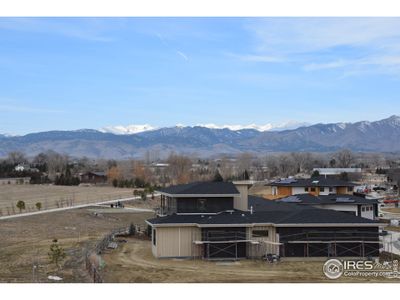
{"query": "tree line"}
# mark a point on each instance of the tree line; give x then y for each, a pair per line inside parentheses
(60, 169)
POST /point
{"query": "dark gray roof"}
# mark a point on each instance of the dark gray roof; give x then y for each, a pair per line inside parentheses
(202, 188)
(98, 173)
(317, 182)
(326, 199)
(262, 204)
(297, 216)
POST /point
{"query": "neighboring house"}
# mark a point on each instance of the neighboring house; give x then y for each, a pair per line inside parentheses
(314, 186)
(18, 180)
(25, 167)
(336, 171)
(93, 177)
(218, 220)
(355, 205)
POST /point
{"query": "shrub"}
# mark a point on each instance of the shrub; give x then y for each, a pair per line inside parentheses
(38, 205)
(20, 205)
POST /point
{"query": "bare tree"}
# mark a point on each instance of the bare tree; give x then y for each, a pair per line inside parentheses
(16, 157)
(344, 158)
(56, 163)
(179, 168)
(286, 165)
(303, 161)
(244, 161)
(271, 162)
(225, 167)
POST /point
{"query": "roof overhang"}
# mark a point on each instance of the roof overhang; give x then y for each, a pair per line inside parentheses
(197, 195)
(333, 225)
(269, 224)
(208, 225)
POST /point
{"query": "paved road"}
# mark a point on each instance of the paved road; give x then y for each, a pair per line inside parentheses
(79, 206)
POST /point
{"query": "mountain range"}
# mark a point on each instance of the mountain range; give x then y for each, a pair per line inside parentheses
(378, 136)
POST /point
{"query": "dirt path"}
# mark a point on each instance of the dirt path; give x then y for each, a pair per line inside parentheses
(134, 262)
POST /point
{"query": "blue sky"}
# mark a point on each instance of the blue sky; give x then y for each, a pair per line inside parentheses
(71, 73)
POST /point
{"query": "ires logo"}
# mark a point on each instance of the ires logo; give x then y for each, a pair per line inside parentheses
(358, 265)
(334, 269)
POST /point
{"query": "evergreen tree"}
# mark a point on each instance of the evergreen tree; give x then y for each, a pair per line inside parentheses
(315, 174)
(245, 175)
(218, 177)
(56, 254)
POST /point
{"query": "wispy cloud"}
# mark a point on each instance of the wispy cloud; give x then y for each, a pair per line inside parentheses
(257, 58)
(168, 46)
(183, 55)
(347, 44)
(326, 65)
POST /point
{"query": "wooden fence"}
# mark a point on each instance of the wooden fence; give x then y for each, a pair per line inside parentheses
(98, 249)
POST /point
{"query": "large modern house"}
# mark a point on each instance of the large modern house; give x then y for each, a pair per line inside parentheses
(218, 220)
(315, 186)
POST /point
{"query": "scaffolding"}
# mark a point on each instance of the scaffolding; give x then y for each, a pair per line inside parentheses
(331, 244)
(233, 244)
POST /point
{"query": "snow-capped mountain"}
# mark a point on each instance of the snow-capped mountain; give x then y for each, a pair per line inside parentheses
(211, 140)
(132, 129)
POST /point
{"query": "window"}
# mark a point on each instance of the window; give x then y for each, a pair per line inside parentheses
(306, 189)
(322, 189)
(350, 189)
(363, 208)
(201, 204)
(260, 233)
(313, 189)
(154, 237)
(274, 191)
(330, 189)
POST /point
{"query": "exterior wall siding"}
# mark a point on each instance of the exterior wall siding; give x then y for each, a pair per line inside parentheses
(367, 211)
(298, 190)
(339, 207)
(241, 202)
(259, 250)
(177, 242)
(368, 214)
(343, 190)
(284, 190)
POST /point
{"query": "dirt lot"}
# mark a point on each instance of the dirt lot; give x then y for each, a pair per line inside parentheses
(25, 241)
(394, 210)
(52, 196)
(133, 262)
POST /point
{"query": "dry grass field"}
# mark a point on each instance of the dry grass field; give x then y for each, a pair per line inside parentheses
(52, 196)
(134, 262)
(25, 241)
(393, 210)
